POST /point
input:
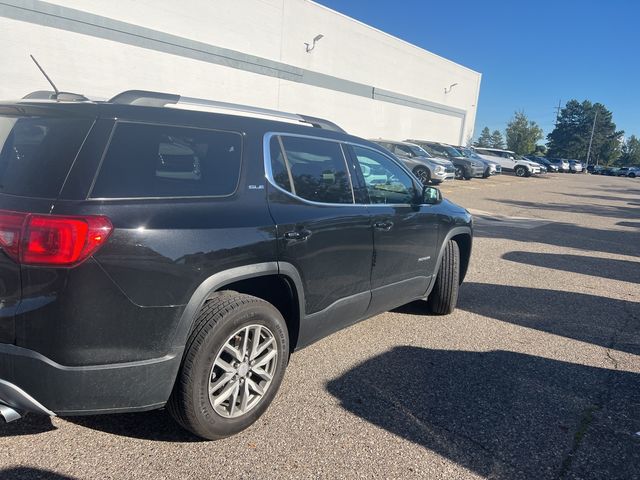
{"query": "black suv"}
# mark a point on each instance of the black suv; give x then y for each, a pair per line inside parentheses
(158, 256)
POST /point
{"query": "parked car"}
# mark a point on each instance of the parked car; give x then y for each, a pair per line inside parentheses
(510, 161)
(465, 167)
(424, 166)
(631, 172)
(154, 256)
(492, 168)
(550, 167)
(562, 164)
(575, 166)
(595, 169)
(610, 171)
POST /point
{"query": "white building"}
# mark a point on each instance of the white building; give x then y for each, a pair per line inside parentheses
(242, 51)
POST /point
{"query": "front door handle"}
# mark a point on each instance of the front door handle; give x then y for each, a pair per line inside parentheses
(298, 234)
(385, 225)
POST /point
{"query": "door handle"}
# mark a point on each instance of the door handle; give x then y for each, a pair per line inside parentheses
(386, 225)
(298, 234)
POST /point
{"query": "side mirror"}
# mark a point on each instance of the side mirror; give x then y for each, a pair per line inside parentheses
(431, 195)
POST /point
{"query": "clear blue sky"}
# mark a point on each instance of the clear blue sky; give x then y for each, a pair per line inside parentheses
(531, 53)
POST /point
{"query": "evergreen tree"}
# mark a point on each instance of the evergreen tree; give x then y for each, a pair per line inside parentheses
(484, 140)
(497, 141)
(522, 134)
(570, 137)
(630, 152)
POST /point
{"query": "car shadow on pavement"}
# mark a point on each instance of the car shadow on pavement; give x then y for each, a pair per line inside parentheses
(588, 209)
(629, 224)
(620, 242)
(155, 425)
(503, 415)
(623, 270)
(29, 473)
(31, 424)
(603, 321)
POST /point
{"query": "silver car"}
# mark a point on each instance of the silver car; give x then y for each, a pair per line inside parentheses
(423, 165)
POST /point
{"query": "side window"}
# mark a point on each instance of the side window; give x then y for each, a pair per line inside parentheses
(318, 170)
(386, 181)
(278, 165)
(145, 161)
(403, 150)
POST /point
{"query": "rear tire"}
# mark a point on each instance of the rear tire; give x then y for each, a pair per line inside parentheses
(422, 174)
(223, 321)
(632, 175)
(444, 296)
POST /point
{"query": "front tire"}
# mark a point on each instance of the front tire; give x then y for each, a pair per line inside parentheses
(233, 365)
(422, 174)
(520, 171)
(444, 296)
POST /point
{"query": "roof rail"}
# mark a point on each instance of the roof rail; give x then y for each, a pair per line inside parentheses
(60, 96)
(158, 99)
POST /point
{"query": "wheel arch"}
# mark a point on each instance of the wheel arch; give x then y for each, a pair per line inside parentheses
(284, 292)
(463, 236)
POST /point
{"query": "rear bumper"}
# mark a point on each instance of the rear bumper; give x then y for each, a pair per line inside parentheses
(30, 382)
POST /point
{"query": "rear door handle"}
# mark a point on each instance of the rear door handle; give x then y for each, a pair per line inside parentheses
(386, 225)
(298, 234)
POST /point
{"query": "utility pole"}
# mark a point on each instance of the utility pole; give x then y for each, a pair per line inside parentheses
(593, 128)
(557, 109)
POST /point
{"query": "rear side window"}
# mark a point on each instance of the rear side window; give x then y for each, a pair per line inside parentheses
(317, 169)
(147, 161)
(37, 152)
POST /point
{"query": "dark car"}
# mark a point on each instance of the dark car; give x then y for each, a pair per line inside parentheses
(168, 257)
(562, 164)
(542, 161)
(631, 172)
(491, 167)
(466, 168)
(427, 168)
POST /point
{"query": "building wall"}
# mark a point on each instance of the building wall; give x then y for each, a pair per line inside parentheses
(250, 51)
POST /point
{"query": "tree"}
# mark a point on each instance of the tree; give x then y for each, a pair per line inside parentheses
(497, 141)
(522, 134)
(540, 150)
(570, 137)
(484, 140)
(630, 152)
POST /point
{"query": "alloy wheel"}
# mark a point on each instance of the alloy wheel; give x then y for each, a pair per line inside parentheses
(243, 371)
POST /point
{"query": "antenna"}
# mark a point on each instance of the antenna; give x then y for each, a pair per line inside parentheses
(55, 89)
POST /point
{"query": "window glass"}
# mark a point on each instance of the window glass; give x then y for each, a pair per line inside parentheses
(278, 167)
(167, 161)
(386, 181)
(402, 150)
(318, 170)
(36, 153)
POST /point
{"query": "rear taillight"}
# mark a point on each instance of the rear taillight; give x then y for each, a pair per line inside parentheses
(52, 240)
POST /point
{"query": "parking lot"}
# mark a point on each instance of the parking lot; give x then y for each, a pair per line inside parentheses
(536, 375)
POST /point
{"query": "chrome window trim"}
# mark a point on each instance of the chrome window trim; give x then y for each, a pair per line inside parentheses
(266, 147)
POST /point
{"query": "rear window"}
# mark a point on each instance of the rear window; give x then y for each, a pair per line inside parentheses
(150, 161)
(37, 152)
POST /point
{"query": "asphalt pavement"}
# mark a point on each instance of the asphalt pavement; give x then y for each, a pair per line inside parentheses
(536, 375)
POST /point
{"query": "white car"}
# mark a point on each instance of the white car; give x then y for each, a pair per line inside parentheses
(510, 161)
